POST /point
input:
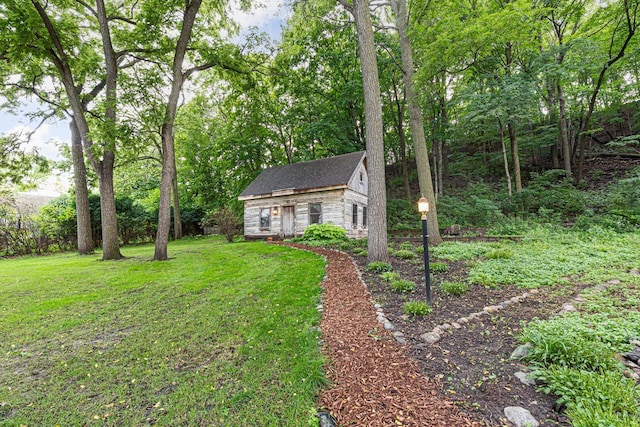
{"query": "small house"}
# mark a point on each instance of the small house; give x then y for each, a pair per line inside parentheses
(283, 200)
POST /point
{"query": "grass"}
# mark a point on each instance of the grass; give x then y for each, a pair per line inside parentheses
(219, 335)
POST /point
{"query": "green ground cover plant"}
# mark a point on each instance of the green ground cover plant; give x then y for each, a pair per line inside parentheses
(401, 285)
(547, 256)
(417, 308)
(454, 288)
(575, 356)
(223, 334)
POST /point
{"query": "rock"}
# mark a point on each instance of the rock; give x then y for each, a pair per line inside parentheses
(631, 374)
(579, 299)
(389, 326)
(521, 352)
(377, 306)
(491, 309)
(613, 282)
(456, 325)
(522, 376)
(567, 307)
(462, 320)
(381, 318)
(633, 355)
(635, 341)
(520, 417)
(430, 337)
(326, 420)
(437, 330)
(445, 326)
(534, 291)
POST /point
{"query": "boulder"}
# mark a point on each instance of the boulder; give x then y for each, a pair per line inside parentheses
(520, 417)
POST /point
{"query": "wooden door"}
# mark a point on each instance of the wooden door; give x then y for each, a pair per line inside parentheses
(288, 221)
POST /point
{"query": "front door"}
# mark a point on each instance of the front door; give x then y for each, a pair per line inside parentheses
(288, 221)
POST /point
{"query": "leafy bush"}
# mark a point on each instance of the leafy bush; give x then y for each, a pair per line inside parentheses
(416, 308)
(569, 341)
(405, 254)
(226, 219)
(390, 276)
(379, 267)
(360, 251)
(438, 267)
(454, 288)
(593, 398)
(501, 253)
(406, 246)
(551, 196)
(403, 285)
(324, 232)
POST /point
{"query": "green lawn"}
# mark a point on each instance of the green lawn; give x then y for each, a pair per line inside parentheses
(222, 334)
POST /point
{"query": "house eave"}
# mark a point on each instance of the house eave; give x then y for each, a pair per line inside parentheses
(287, 192)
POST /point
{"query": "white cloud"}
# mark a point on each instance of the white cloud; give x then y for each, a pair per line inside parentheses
(261, 14)
(42, 140)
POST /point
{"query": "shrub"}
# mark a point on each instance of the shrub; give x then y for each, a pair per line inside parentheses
(501, 253)
(404, 254)
(379, 267)
(225, 219)
(406, 246)
(569, 341)
(593, 398)
(438, 267)
(324, 232)
(390, 276)
(417, 308)
(403, 285)
(454, 288)
(360, 251)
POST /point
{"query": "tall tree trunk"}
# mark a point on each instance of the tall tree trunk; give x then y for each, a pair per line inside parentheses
(177, 216)
(515, 157)
(104, 167)
(168, 152)
(631, 26)
(399, 122)
(415, 120)
(564, 133)
(377, 245)
(505, 159)
(83, 214)
(110, 238)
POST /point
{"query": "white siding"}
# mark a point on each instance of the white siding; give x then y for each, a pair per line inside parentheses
(336, 209)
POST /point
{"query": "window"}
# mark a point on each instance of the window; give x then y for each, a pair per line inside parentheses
(364, 216)
(354, 216)
(315, 213)
(265, 218)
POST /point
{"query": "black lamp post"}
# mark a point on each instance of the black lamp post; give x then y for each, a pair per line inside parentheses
(423, 208)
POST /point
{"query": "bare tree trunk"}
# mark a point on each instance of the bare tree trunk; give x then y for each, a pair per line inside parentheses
(168, 152)
(377, 245)
(177, 217)
(515, 156)
(415, 119)
(505, 159)
(83, 215)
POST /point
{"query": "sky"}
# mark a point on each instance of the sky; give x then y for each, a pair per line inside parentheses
(268, 17)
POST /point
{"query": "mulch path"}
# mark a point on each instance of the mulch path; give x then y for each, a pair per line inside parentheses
(373, 381)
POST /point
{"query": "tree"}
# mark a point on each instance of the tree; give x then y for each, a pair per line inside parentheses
(17, 164)
(377, 245)
(41, 43)
(415, 117)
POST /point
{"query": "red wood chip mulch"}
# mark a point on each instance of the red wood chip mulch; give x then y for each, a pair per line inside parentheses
(373, 383)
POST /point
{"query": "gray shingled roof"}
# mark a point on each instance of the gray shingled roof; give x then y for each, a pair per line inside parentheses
(329, 172)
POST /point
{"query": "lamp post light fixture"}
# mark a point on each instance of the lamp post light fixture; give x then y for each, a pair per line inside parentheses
(423, 208)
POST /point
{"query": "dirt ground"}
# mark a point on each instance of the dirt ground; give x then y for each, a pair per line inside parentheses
(472, 362)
